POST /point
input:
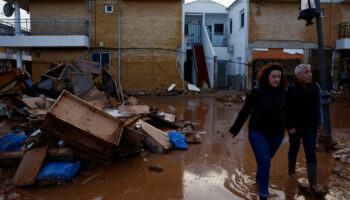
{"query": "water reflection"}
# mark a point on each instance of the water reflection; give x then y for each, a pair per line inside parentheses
(219, 168)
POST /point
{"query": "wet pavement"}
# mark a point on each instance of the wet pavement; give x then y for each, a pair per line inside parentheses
(220, 168)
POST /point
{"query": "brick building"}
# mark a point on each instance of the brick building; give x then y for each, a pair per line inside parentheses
(274, 29)
(150, 38)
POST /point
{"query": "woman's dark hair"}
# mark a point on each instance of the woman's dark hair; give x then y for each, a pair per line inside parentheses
(263, 78)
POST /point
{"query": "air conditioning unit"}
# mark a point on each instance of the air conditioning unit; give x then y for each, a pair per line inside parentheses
(231, 49)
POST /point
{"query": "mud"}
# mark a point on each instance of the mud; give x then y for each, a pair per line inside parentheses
(219, 168)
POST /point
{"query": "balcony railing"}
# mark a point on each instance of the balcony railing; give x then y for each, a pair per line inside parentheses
(45, 26)
(344, 30)
(219, 40)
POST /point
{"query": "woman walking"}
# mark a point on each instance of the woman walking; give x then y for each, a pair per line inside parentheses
(266, 105)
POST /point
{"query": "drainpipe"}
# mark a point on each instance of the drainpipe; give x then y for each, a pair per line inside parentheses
(89, 42)
(18, 33)
(246, 71)
(332, 72)
(119, 53)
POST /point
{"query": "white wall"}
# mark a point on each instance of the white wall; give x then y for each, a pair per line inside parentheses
(221, 53)
(206, 6)
(44, 41)
(193, 19)
(212, 18)
(239, 37)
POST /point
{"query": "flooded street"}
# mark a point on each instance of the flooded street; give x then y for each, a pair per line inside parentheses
(219, 168)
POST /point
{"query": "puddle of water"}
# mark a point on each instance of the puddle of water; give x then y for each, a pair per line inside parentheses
(219, 168)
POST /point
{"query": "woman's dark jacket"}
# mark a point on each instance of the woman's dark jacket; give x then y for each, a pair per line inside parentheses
(267, 109)
(303, 106)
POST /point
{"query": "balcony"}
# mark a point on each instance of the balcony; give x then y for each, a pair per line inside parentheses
(343, 41)
(44, 33)
(219, 40)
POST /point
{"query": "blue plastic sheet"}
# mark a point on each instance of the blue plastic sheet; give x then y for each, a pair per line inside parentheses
(12, 141)
(59, 171)
(178, 140)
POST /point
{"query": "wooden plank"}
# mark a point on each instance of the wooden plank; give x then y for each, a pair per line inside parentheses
(75, 136)
(88, 118)
(88, 66)
(9, 76)
(133, 109)
(30, 166)
(131, 101)
(159, 138)
(5, 127)
(131, 120)
(94, 94)
(93, 146)
(9, 159)
(37, 112)
(32, 102)
(134, 137)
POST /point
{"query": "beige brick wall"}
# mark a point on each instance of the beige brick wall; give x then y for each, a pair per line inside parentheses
(278, 21)
(58, 9)
(146, 25)
(42, 63)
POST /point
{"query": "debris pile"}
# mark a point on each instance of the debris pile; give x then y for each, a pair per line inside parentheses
(342, 153)
(49, 138)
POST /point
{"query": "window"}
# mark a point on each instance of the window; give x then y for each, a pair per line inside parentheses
(230, 25)
(108, 8)
(101, 57)
(218, 29)
(242, 18)
(322, 12)
(186, 29)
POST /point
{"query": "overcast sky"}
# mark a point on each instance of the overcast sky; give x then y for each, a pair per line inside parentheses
(223, 2)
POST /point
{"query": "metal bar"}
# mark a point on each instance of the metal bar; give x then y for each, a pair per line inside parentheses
(325, 101)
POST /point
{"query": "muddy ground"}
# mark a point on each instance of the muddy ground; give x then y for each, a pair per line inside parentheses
(220, 168)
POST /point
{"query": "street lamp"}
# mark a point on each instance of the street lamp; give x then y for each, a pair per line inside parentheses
(308, 10)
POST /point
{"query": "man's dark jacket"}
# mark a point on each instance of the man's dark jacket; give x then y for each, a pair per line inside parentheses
(303, 106)
(267, 109)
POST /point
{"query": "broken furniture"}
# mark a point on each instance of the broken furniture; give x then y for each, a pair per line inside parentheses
(93, 133)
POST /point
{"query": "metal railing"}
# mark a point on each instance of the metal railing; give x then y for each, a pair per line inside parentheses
(344, 30)
(45, 26)
(220, 40)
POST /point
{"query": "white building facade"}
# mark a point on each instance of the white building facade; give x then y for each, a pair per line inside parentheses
(223, 35)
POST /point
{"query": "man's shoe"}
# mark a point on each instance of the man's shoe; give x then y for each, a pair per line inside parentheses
(319, 190)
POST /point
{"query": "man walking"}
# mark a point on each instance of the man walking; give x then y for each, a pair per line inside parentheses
(304, 120)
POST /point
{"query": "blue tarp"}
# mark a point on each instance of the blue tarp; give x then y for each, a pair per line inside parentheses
(59, 171)
(178, 140)
(12, 141)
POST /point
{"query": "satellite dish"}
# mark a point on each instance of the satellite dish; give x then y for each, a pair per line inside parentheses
(8, 10)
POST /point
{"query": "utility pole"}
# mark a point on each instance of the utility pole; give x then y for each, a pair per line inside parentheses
(325, 97)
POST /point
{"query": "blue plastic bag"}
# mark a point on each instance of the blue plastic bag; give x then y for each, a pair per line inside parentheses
(53, 171)
(12, 141)
(178, 140)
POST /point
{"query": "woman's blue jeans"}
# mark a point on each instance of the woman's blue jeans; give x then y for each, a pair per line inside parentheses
(264, 149)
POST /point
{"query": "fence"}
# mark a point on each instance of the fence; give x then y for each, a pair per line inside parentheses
(45, 26)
